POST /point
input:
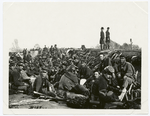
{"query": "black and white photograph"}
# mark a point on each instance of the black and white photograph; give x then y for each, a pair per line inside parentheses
(77, 56)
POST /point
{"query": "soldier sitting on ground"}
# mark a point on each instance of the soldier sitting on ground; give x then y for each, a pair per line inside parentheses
(125, 75)
(17, 82)
(69, 82)
(101, 84)
(85, 72)
(104, 61)
(42, 85)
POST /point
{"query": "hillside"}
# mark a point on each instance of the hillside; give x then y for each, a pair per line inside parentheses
(113, 45)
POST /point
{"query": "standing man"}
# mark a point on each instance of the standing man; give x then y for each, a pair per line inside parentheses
(107, 38)
(102, 38)
(51, 50)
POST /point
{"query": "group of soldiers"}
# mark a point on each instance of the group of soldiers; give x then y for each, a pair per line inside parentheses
(54, 74)
(104, 41)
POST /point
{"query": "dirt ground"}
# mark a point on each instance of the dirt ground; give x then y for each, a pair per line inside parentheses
(23, 101)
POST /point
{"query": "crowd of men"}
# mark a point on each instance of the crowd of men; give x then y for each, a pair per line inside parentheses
(53, 72)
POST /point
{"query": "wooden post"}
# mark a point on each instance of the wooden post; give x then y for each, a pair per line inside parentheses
(131, 43)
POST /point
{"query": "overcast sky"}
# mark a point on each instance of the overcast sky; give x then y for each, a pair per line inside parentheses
(74, 24)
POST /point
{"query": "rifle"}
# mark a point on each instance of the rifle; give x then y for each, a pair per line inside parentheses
(44, 96)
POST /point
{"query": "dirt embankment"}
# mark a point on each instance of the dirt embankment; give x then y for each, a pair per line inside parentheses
(23, 101)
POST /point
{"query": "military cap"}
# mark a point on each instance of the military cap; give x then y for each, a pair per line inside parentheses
(12, 63)
(101, 54)
(102, 27)
(36, 72)
(44, 71)
(122, 56)
(20, 64)
(107, 27)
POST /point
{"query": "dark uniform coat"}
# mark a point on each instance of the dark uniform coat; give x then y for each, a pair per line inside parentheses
(68, 81)
(29, 58)
(105, 62)
(101, 37)
(16, 79)
(99, 89)
(107, 37)
(85, 72)
(126, 69)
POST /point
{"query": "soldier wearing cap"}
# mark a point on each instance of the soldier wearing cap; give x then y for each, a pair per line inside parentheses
(45, 49)
(17, 80)
(102, 38)
(100, 86)
(104, 61)
(107, 38)
(77, 63)
(125, 75)
(70, 82)
(29, 57)
(51, 50)
(85, 72)
(42, 85)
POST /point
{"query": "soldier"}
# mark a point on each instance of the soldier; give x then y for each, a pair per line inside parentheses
(104, 61)
(16, 78)
(107, 38)
(125, 74)
(78, 63)
(69, 82)
(55, 48)
(11, 69)
(85, 72)
(29, 57)
(101, 84)
(102, 38)
(51, 50)
(42, 85)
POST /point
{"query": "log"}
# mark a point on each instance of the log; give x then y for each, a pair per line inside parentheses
(44, 96)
